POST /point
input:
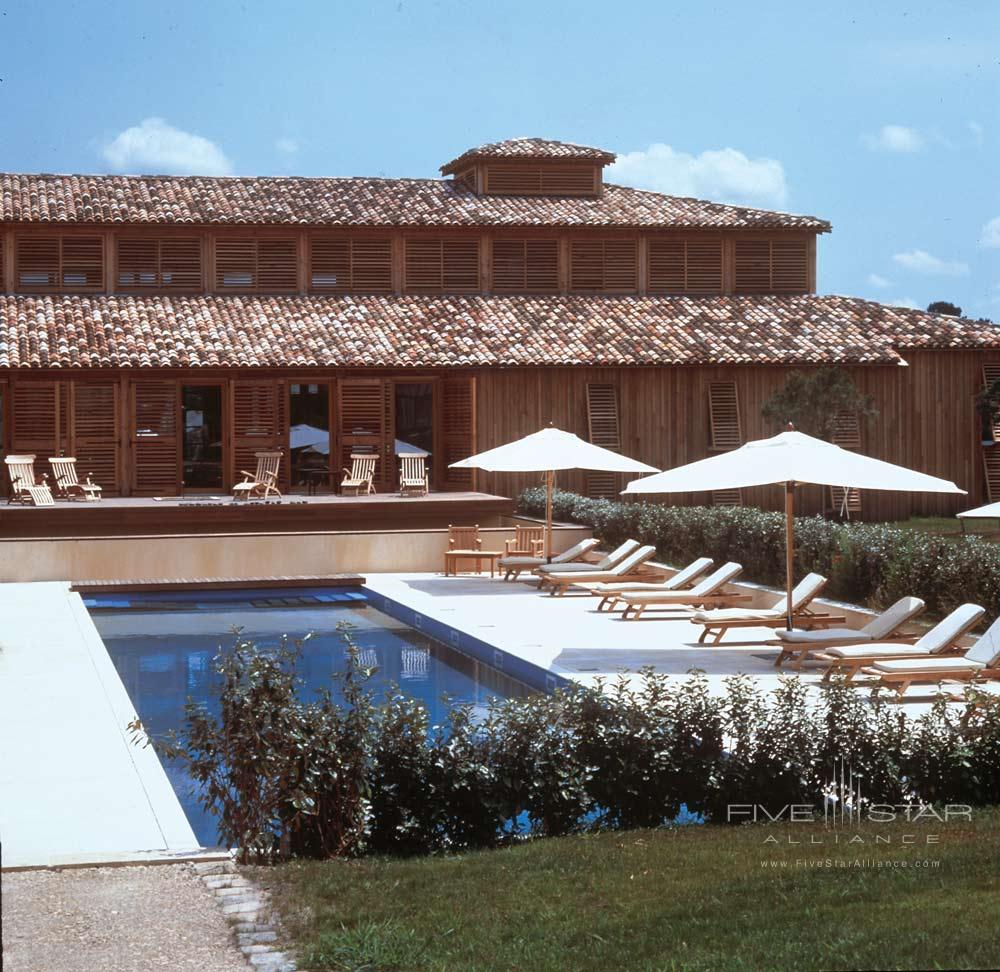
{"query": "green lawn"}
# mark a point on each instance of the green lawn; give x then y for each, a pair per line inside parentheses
(946, 526)
(696, 898)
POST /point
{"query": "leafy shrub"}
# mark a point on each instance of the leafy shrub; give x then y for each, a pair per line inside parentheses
(867, 563)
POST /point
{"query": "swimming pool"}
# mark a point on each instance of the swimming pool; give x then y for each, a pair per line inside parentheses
(162, 645)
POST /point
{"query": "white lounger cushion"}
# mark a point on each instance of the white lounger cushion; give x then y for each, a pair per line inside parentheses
(936, 664)
(693, 569)
(633, 560)
(612, 559)
(577, 550)
(881, 626)
(880, 649)
(802, 594)
(710, 585)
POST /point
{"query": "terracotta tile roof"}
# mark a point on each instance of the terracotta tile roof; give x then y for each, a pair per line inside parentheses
(403, 331)
(531, 148)
(114, 199)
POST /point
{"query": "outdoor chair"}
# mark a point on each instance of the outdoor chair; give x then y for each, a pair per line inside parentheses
(799, 645)
(262, 483)
(706, 593)
(720, 621)
(684, 578)
(608, 562)
(25, 487)
(68, 486)
(413, 478)
(358, 479)
(464, 538)
(981, 661)
(631, 566)
(942, 639)
(529, 541)
(514, 564)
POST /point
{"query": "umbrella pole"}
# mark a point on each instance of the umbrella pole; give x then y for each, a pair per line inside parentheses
(550, 477)
(789, 549)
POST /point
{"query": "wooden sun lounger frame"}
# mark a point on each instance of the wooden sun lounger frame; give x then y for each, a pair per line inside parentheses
(801, 653)
(261, 483)
(803, 618)
(848, 668)
(609, 601)
(559, 584)
(360, 477)
(413, 477)
(66, 483)
(514, 571)
(634, 611)
(25, 486)
(901, 681)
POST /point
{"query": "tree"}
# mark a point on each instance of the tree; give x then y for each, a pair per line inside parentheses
(944, 307)
(811, 400)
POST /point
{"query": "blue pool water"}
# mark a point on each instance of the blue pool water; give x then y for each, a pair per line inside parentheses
(163, 645)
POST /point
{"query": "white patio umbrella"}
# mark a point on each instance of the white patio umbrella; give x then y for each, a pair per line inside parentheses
(988, 512)
(550, 451)
(790, 457)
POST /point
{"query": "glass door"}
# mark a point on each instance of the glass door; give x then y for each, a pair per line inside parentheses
(413, 420)
(309, 436)
(201, 411)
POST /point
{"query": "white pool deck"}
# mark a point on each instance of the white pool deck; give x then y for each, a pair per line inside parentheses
(75, 790)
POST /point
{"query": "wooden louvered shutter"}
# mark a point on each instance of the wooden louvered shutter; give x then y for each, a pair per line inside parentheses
(685, 266)
(267, 266)
(460, 265)
(38, 420)
(666, 269)
(423, 266)
(603, 431)
(847, 435)
(442, 266)
(789, 266)
(991, 373)
(96, 420)
(458, 432)
(156, 444)
(726, 432)
(37, 263)
(991, 450)
(610, 266)
(159, 264)
(753, 266)
(340, 266)
(366, 424)
(521, 266)
(259, 424)
(277, 265)
(532, 179)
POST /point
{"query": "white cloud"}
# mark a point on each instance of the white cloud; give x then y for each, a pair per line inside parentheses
(157, 147)
(287, 146)
(990, 237)
(905, 302)
(894, 138)
(920, 261)
(977, 132)
(720, 174)
(878, 281)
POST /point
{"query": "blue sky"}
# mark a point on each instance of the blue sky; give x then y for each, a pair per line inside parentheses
(882, 117)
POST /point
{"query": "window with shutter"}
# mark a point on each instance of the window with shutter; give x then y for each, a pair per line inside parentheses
(847, 435)
(521, 266)
(603, 431)
(442, 266)
(340, 266)
(609, 266)
(159, 264)
(155, 442)
(458, 432)
(771, 266)
(72, 263)
(539, 179)
(726, 432)
(265, 265)
(96, 421)
(685, 266)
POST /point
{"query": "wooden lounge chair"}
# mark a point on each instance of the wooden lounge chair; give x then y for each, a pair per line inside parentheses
(464, 538)
(981, 661)
(941, 640)
(513, 565)
(684, 578)
(719, 621)
(609, 561)
(630, 567)
(529, 541)
(706, 593)
(413, 478)
(25, 487)
(262, 483)
(68, 486)
(358, 479)
(799, 645)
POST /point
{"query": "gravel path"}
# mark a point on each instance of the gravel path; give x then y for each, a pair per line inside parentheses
(114, 919)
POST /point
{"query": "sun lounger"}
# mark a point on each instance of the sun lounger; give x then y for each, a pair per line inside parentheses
(262, 483)
(722, 620)
(611, 560)
(514, 564)
(24, 486)
(629, 567)
(942, 640)
(359, 478)
(413, 478)
(706, 593)
(684, 578)
(67, 484)
(799, 645)
(981, 661)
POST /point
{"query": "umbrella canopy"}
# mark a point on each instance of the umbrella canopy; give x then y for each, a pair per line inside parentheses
(549, 451)
(790, 457)
(987, 512)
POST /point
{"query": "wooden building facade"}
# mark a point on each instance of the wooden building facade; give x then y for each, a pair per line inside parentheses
(164, 330)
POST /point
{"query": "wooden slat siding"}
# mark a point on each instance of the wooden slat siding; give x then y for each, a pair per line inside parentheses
(259, 424)
(155, 437)
(684, 266)
(540, 179)
(458, 432)
(434, 266)
(60, 264)
(262, 265)
(38, 420)
(603, 431)
(765, 266)
(525, 266)
(363, 428)
(603, 266)
(725, 432)
(154, 264)
(341, 265)
(96, 424)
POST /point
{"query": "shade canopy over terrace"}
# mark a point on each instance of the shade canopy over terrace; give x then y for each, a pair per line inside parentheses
(790, 458)
(550, 451)
(987, 512)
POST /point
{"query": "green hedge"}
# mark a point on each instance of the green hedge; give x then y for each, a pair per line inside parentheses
(867, 563)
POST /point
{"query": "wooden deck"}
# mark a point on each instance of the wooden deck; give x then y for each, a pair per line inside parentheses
(170, 516)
